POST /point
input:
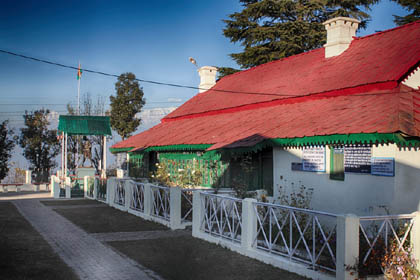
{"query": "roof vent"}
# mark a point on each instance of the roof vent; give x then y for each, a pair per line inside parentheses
(340, 32)
(207, 77)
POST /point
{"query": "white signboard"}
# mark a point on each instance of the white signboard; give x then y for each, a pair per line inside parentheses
(383, 166)
(357, 159)
(313, 159)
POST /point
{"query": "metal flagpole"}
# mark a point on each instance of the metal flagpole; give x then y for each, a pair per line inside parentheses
(78, 113)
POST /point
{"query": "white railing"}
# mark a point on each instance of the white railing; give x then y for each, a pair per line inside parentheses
(187, 205)
(137, 196)
(119, 195)
(301, 235)
(378, 232)
(222, 216)
(161, 202)
(310, 243)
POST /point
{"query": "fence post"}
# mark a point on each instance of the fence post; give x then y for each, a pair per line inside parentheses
(198, 213)
(52, 180)
(85, 185)
(127, 193)
(175, 207)
(95, 188)
(147, 200)
(110, 191)
(249, 223)
(347, 246)
(415, 238)
(28, 177)
(56, 189)
(68, 187)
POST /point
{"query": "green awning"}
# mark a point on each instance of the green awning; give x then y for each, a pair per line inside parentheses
(84, 125)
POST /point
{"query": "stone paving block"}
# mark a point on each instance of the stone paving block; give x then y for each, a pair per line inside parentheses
(89, 258)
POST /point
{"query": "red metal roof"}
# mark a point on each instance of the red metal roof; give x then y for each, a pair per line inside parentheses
(381, 57)
(358, 91)
(379, 111)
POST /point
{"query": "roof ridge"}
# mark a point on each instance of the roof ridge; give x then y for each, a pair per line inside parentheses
(307, 52)
(271, 62)
(388, 30)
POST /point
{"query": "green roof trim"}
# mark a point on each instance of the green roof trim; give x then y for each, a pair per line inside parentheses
(181, 147)
(84, 125)
(120, 150)
(334, 139)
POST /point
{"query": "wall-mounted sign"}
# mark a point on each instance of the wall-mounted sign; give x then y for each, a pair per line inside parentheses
(313, 159)
(383, 166)
(357, 159)
(297, 166)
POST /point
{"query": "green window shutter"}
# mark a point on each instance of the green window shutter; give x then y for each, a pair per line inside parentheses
(337, 164)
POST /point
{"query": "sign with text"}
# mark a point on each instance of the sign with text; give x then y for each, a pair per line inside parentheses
(357, 159)
(313, 159)
(383, 166)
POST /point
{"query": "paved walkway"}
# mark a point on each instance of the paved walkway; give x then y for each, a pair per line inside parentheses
(86, 255)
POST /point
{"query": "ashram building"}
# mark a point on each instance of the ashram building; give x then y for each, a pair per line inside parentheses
(343, 120)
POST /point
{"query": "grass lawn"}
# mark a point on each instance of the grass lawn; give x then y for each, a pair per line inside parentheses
(70, 202)
(191, 258)
(107, 219)
(24, 254)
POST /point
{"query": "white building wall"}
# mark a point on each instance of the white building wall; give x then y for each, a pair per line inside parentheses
(361, 194)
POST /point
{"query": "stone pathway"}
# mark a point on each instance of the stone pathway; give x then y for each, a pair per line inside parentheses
(138, 235)
(86, 255)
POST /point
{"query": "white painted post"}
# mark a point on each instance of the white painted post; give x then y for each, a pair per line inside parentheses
(65, 157)
(148, 200)
(104, 159)
(56, 189)
(198, 213)
(85, 185)
(415, 238)
(110, 189)
(175, 207)
(127, 193)
(347, 246)
(28, 177)
(52, 180)
(95, 188)
(249, 223)
(68, 187)
(120, 173)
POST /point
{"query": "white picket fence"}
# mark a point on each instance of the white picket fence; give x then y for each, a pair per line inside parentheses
(314, 244)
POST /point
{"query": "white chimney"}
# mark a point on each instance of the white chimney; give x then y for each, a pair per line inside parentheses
(207, 77)
(340, 32)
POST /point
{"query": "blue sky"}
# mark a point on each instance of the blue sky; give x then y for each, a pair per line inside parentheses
(152, 39)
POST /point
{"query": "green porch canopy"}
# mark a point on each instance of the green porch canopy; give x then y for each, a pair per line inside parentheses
(84, 125)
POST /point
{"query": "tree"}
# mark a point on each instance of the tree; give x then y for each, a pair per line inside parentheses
(412, 6)
(6, 146)
(126, 104)
(40, 144)
(272, 29)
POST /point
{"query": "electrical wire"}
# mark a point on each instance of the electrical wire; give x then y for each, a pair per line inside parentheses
(163, 83)
(139, 80)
